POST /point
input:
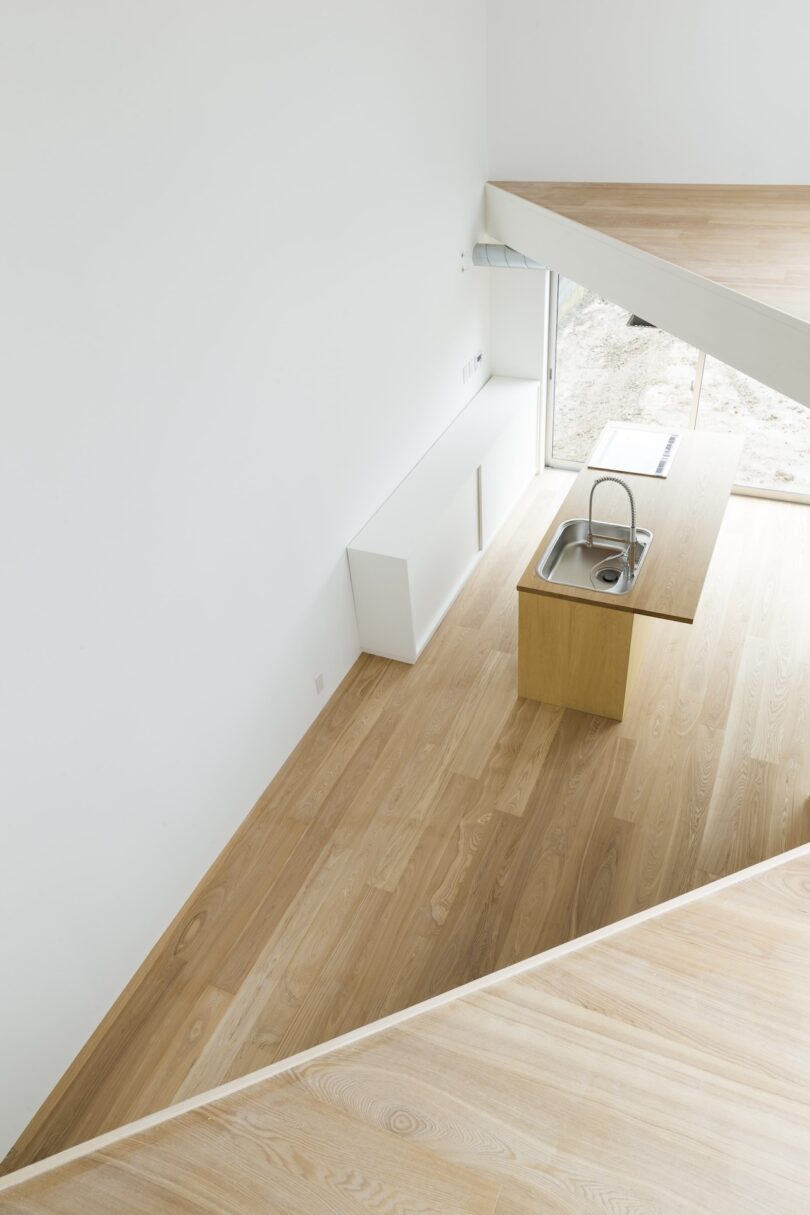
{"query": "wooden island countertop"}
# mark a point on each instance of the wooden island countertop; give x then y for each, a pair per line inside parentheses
(683, 511)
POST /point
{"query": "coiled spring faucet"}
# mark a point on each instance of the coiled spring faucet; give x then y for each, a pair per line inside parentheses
(630, 552)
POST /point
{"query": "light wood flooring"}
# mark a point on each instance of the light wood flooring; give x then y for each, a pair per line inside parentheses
(664, 1070)
(431, 827)
(753, 239)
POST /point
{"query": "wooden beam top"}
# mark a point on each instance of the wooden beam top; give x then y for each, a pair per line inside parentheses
(753, 239)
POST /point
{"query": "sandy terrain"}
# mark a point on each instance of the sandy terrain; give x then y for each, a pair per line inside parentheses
(607, 369)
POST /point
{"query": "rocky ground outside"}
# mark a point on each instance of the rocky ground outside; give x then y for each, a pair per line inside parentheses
(609, 370)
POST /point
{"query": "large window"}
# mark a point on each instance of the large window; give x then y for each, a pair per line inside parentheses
(776, 455)
(608, 368)
(611, 365)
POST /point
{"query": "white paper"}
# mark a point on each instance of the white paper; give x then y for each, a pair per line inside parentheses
(634, 449)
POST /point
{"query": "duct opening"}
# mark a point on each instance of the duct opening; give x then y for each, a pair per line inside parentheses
(502, 257)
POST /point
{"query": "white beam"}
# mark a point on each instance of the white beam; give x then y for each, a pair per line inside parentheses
(765, 343)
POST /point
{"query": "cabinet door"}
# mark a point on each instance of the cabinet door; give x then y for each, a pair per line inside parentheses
(442, 565)
(506, 470)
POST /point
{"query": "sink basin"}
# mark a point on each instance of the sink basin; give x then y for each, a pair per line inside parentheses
(569, 560)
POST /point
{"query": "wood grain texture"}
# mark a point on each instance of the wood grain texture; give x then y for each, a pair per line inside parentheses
(432, 827)
(684, 511)
(574, 654)
(752, 239)
(663, 1069)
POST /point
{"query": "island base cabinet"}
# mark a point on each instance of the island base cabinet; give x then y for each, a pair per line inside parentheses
(577, 654)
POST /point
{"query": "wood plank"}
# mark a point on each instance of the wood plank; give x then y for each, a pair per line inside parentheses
(530, 759)
(512, 834)
(665, 1068)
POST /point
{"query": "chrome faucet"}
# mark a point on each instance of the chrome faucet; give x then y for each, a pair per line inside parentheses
(630, 551)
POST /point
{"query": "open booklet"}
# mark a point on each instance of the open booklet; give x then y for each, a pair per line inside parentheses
(635, 449)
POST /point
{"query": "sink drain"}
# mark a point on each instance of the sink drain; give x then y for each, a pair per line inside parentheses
(609, 576)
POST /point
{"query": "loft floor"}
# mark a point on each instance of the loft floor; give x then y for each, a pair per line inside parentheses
(431, 827)
(724, 268)
(752, 239)
(665, 1069)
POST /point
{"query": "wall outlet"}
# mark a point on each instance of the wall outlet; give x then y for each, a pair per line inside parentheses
(319, 683)
(472, 367)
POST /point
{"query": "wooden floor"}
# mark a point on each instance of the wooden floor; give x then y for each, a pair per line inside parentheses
(663, 1070)
(432, 827)
(753, 239)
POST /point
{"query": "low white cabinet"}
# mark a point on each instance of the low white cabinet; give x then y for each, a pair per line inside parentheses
(413, 557)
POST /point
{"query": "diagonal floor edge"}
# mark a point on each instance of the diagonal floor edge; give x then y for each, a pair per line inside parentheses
(72, 1154)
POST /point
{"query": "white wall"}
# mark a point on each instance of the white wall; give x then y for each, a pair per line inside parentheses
(232, 319)
(641, 90)
(518, 335)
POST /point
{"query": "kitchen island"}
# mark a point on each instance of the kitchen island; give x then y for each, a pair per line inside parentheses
(579, 646)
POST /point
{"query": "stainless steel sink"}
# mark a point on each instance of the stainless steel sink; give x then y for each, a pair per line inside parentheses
(603, 565)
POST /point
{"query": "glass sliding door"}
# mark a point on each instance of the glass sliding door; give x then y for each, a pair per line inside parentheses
(776, 455)
(612, 366)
